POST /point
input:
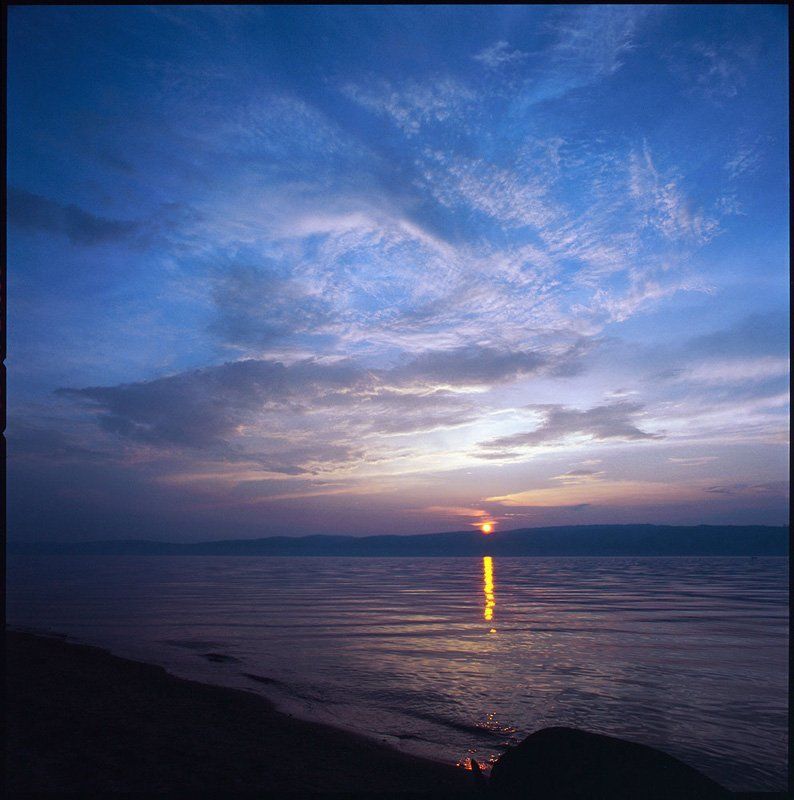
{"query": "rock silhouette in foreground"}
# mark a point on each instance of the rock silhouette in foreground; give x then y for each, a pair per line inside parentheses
(568, 764)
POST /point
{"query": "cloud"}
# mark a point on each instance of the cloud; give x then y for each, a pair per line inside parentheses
(736, 371)
(729, 205)
(255, 307)
(454, 511)
(295, 417)
(361, 272)
(471, 365)
(36, 213)
(413, 105)
(408, 254)
(602, 493)
(750, 490)
(606, 249)
(499, 54)
(692, 461)
(506, 195)
(747, 159)
(664, 203)
(643, 290)
(577, 476)
(596, 38)
(589, 44)
(286, 132)
(202, 407)
(615, 421)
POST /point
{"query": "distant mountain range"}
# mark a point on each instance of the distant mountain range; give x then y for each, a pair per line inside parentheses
(581, 540)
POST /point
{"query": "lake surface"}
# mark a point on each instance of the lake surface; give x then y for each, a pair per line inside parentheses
(455, 658)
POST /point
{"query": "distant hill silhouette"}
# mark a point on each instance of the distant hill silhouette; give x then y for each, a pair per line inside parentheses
(582, 540)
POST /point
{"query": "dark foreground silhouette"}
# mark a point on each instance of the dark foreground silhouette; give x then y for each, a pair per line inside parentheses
(568, 764)
(81, 721)
(85, 722)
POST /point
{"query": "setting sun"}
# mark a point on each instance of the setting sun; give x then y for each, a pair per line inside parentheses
(487, 527)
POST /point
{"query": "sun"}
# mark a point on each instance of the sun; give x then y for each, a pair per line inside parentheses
(486, 527)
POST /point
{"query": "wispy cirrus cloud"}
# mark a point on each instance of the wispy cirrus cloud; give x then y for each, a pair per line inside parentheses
(644, 289)
(747, 158)
(587, 46)
(413, 105)
(504, 195)
(498, 54)
(664, 204)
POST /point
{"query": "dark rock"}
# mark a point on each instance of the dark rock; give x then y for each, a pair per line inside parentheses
(479, 778)
(569, 764)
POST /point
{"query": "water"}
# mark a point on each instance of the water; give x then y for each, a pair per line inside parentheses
(456, 658)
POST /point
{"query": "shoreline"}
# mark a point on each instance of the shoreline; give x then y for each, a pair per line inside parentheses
(82, 720)
(282, 703)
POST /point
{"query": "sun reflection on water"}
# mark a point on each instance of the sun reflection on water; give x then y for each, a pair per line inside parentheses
(487, 578)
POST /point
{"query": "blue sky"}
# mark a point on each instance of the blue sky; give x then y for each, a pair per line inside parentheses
(395, 269)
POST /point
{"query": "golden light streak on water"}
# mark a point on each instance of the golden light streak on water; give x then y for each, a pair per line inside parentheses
(490, 600)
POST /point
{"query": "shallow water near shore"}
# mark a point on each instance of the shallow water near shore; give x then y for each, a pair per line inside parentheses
(454, 658)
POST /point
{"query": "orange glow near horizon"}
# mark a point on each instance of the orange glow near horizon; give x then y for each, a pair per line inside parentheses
(487, 580)
(487, 527)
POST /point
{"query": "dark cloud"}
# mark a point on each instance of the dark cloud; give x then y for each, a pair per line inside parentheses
(295, 418)
(37, 213)
(472, 365)
(615, 421)
(286, 469)
(202, 407)
(303, 460)
(34, 443)
(257, 306)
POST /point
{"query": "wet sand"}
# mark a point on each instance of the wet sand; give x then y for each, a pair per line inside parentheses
(83, 721)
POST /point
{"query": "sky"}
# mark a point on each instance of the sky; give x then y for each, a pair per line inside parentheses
(359, 270)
